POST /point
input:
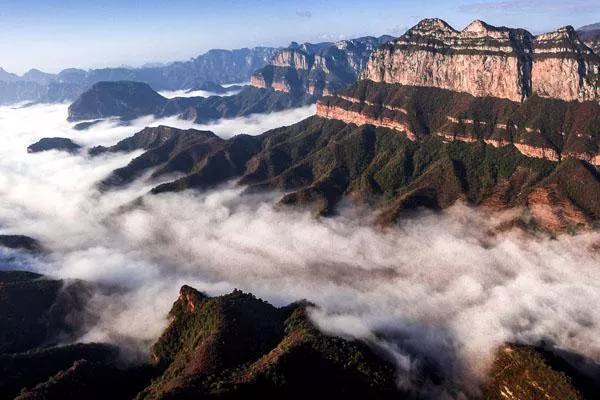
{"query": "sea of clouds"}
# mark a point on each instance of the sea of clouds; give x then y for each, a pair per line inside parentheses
(438, 289)
(202, 93)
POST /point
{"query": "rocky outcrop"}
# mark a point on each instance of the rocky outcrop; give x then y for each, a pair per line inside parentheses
(317, 69)
(538, 127)
(484, 60)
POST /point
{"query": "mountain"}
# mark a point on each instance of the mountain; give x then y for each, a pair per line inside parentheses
(536, 372)
(7, 76)
(317, 69)
(320, 161)
(128, 100)
(484, 60)
(538, 127)
(55, 143)
(215, 66)
(36, 311)
(590, 34)
(20, 242)
(175, 151)
(37, 76)
(125, 99)
(590, 27)
(237, 346)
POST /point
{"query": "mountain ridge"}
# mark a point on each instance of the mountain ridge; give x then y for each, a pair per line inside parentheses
(238, 346)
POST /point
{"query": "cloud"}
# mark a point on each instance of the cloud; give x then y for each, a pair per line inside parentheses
(437, 290)
(169, 94)
(304, 14)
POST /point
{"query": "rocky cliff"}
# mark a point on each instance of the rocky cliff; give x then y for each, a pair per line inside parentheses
(317, 68)
(484, 60)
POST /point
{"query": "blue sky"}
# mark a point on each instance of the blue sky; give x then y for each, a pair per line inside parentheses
(54, 34)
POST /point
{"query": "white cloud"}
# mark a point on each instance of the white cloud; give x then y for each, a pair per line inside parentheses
(437, 287)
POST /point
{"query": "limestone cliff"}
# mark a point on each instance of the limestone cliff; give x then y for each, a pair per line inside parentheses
(484, 60)
(317, 69)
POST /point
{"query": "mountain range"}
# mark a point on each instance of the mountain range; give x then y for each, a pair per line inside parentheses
(232, 346)
(501, 135)
(317, 69)
(337, 65)
(128, 100)
(215, 66)
(493, 117)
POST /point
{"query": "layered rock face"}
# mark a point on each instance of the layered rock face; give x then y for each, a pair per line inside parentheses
(564, 67)
(538, 127)
(317, 68)
(484, 60)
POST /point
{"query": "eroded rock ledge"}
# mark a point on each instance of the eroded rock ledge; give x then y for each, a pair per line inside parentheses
(538, 127)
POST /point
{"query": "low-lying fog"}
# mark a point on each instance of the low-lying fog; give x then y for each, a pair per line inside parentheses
(169, 94)
(437, 286)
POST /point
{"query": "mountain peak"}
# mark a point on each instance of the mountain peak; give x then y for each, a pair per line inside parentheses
(432, 26)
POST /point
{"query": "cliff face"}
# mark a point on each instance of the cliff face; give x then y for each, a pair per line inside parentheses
(564, 67)
(538, 127)
(484, 60)
(317, 68)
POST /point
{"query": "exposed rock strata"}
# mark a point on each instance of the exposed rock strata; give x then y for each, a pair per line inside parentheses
(538, 127)
(484, 60)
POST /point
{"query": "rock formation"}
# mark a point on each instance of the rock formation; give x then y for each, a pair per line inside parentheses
(317, 69)
(484, 60)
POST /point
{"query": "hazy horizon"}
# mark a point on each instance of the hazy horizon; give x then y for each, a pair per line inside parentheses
(57, 34)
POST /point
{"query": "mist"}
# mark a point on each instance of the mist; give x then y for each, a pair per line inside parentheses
(438, 288)
(169, 94)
